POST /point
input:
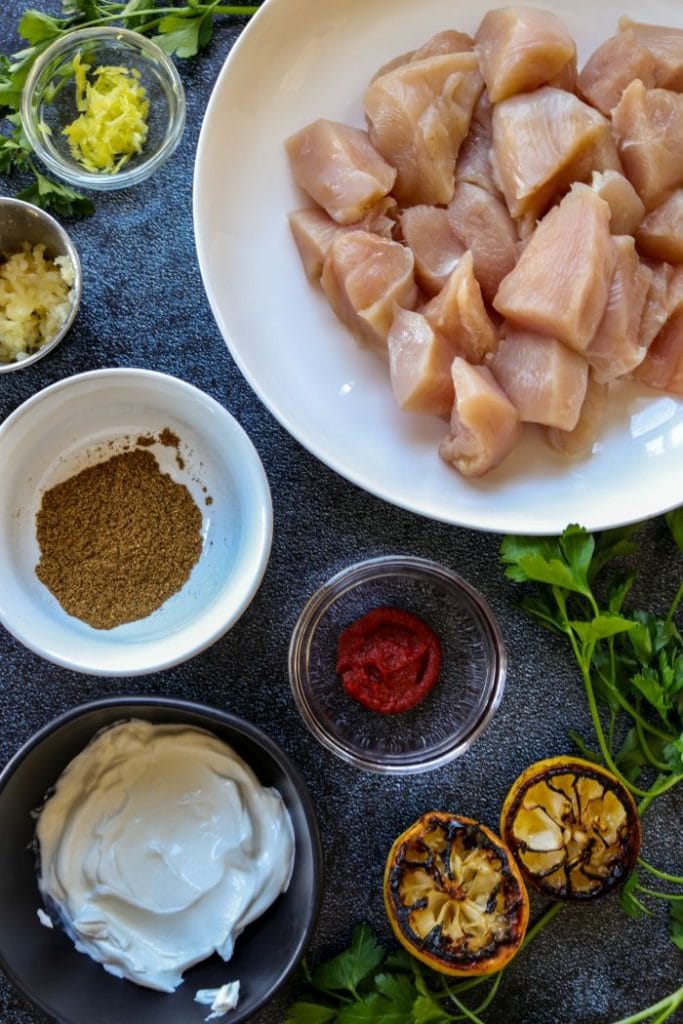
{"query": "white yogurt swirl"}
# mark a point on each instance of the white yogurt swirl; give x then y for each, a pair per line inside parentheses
(158, 847)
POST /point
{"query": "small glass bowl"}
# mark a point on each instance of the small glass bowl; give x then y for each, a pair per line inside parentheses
(453, 714)
(48, 103)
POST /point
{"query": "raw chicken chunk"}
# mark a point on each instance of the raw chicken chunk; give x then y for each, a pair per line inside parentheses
(428, 231)
(544, 380)
(482, 223)
(659, 302)
(626, 206)
(449, 41)
(420, 361)
(364, 277)
(616, 348)
(314, 232)
(418, 116)
(474, 159)
(484, 423)
(661, 233)
(520, 48)
(542, 142)
(662, 368)
(584, 435)
(560, 285)
(458, 313)
(339, 168)
(613, 67)
(648, 127)
(665, 43)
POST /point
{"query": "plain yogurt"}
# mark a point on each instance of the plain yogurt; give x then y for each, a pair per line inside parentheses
(158, 847)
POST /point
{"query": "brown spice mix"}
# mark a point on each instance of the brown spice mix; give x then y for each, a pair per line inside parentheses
(117, 540)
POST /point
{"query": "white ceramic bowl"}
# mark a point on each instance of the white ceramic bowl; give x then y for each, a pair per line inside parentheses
(85, 419)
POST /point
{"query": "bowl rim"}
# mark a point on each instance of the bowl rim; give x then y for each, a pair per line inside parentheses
(232, 721)
(264, 532)
(320, 602)
(76, 289)
(145, 166)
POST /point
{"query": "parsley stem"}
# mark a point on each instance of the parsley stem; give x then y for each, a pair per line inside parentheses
(674, 605)
(466, 1013)
(665, 877)
(665, 1006)
(656, 790)
(659, 765)
(675, 897)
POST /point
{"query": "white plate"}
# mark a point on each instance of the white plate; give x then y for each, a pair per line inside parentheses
(303, 59)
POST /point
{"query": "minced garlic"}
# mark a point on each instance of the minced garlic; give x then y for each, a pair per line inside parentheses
(35, 300)
(112, 124)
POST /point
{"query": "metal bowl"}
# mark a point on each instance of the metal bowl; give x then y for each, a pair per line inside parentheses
(21, 222)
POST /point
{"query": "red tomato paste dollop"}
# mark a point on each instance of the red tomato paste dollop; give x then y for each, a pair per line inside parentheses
(388, 660)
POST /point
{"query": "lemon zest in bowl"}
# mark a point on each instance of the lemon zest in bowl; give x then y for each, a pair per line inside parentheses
(112, 123)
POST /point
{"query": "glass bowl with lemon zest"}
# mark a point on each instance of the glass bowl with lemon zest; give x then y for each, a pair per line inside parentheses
(103, 108)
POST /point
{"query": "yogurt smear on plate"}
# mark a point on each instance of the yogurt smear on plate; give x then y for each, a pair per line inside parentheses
(158, 847)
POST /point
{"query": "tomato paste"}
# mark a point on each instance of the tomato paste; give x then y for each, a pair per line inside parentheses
(388, 660)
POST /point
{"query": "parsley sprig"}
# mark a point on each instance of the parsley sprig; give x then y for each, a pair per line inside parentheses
(366, 985)
(181, 29)
(631, 665)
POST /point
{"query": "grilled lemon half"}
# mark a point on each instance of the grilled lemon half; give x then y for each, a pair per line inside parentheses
(573, 828)
(454, 896)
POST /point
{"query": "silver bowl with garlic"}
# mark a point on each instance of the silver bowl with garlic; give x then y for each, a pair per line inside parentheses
(40, 284)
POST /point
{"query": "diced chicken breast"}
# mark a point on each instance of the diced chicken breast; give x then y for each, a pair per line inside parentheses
(665, 43)
(482, 223)
(662, 368)
(459, 314)
(314, 231)
(648, 127)
(560, 285)
(364, 277)
(625, 205)
(474, 159)
(584, 435)
(566, 78)
(484, 423)
(339, 168)
(420, 365)
(520, 48)
(661, 233)
(428, 232)
(418, 116)
(448, 41)
(658, 302)
(544, 380)
(613, 67)
(542, 142)
(616, 348)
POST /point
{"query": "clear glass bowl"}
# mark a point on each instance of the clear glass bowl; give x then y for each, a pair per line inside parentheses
(453, 714)
(48, 103)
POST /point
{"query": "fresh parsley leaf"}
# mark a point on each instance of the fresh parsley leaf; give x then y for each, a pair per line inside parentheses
(59, 198)
(310, 1013)
(399, 989)
(347, 970)
(36, 27)
(674, 520)
(673, 754)
(184, 36)
(628, 899)
(544, 561)
(601, 627)
(676, 923)
(427, 1010)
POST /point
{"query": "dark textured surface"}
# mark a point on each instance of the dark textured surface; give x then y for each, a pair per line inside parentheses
(144, 306)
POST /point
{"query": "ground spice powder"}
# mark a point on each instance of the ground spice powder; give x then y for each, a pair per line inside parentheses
(117, 539)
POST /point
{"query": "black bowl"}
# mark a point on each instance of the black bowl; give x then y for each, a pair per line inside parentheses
(71, 987)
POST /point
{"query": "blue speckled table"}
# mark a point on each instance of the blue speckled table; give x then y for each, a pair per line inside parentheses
(144, 306)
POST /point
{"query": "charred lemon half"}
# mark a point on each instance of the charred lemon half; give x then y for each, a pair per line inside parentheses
(573, 827)
(454, 895)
